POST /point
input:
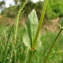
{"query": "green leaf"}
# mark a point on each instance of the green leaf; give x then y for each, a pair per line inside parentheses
(61, 23)
(30, 30)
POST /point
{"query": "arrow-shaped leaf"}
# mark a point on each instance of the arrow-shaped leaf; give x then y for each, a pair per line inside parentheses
(30, 30)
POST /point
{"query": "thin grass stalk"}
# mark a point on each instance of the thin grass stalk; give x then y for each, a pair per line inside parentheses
(17, 21)
(40, 23)
(45, 60)
(16, 27)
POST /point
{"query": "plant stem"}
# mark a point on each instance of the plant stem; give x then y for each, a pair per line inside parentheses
(30, 57)
(17, 22)
(16, 28)
(45, 60)
(40, 23)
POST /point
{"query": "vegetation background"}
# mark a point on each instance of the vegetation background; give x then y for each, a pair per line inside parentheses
(49, 30)
(54, 9)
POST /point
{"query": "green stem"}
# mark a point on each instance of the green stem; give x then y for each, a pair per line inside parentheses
(30, 56)
(40, 23)
(45, 60)
(16, 28)
(17, 22)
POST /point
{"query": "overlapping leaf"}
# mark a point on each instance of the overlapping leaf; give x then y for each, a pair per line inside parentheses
(61, 23)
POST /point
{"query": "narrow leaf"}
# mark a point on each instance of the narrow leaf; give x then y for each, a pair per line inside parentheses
(61, 23)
